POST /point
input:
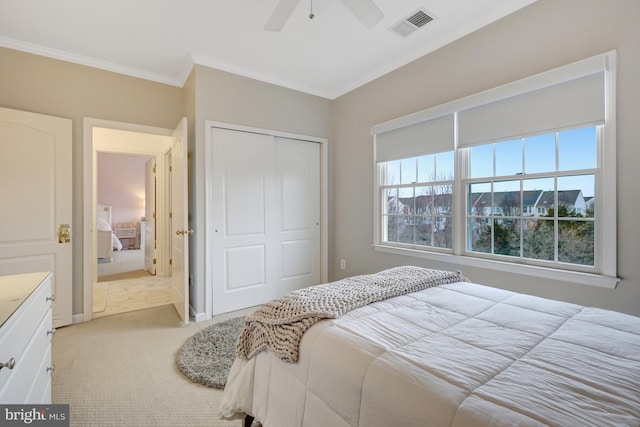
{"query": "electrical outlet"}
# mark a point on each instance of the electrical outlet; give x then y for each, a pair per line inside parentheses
(343, 264)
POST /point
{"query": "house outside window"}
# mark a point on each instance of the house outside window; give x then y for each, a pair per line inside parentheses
(518, 177)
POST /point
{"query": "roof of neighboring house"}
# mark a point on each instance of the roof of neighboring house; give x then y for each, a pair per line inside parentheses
(566, 197)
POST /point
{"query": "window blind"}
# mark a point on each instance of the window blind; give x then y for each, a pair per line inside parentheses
(426, 137)
(572, 103)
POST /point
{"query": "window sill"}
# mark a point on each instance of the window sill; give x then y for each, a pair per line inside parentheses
(527, 270)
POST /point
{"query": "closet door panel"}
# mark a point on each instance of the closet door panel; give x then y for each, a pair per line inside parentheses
(298, 177)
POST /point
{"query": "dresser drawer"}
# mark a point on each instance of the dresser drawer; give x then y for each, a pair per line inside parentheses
(40, 393)
(26, 370)
(19, 329)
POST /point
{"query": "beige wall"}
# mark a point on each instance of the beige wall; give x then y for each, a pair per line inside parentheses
(547, 34)
(229, 98)
(48, 86)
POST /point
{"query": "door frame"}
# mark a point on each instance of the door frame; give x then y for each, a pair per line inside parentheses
(90, 150)
(208, 173)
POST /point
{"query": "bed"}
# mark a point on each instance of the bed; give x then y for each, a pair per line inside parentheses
(107, 241)
(456, 354)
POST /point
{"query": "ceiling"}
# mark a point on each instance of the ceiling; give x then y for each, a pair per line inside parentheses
(161, 40)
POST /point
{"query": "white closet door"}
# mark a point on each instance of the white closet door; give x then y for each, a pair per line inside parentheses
(265, 205)
(298, 179)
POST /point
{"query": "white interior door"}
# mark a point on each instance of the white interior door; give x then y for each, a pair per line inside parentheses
(266, 214)
(180, 227)
(150, 217)
(36, 232)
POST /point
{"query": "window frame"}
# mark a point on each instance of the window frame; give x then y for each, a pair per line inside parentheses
(604, 272)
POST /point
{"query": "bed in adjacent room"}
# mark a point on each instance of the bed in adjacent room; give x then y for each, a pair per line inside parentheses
(107, 241)
(450, 354)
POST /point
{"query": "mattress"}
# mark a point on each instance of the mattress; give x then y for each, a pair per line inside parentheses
(459, 355)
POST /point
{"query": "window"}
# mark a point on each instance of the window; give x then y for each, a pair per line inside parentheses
(522, 175)
(417, 194)
(553, 175)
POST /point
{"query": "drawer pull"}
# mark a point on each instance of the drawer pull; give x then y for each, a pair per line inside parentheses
(51, 332)
(51, 368)
(52, 298)
(10, 364)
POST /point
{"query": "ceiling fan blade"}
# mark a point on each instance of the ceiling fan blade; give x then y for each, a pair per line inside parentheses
(365, 10)
(280, 15)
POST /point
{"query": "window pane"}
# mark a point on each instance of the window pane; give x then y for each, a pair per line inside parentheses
(424, 200)
(575, 242)
(391, 228)
(540, 153)
(481, 161)
(406, 201)
(479, 199)
(426, 168)
(423, 231)
(442, 232)
(443, 199)
(392, 172)
(509, 157)
(577, 149)
(506, 237)
(408, 171)
(480, 234)
(391, 197)
(575, 195)
(537, 239)
(506, 198)
(445, 166)
(537, 196)
(405, 229)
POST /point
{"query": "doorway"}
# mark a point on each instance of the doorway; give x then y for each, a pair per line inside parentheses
(126, 189)
(131, 285)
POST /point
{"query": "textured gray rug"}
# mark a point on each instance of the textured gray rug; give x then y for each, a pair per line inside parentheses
(206, 357)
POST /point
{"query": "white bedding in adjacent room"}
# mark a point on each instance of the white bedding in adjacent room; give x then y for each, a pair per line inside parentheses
(459, 355)
(104, 223)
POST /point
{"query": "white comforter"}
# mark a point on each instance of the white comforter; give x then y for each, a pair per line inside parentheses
(457, 355)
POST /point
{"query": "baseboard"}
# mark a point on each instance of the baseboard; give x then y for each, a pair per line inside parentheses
(197, 317)
(77, 318)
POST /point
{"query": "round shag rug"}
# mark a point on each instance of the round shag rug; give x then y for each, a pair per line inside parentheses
(206, 357)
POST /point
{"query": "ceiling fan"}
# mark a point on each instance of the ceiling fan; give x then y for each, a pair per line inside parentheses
(365, 10)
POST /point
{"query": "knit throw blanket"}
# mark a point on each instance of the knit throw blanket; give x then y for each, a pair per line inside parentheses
(279, 325)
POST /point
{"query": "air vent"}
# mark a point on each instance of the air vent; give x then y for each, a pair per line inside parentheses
(411, 23)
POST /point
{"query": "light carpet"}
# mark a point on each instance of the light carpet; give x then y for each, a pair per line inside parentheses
(120, 371)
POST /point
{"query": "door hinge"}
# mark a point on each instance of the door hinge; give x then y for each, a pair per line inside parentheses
(154, 168)
(170, 215)
(154, 215)
(171, 262)
(170, 168)
(154, 261)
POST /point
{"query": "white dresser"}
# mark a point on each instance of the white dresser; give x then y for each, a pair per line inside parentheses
(25, 338)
